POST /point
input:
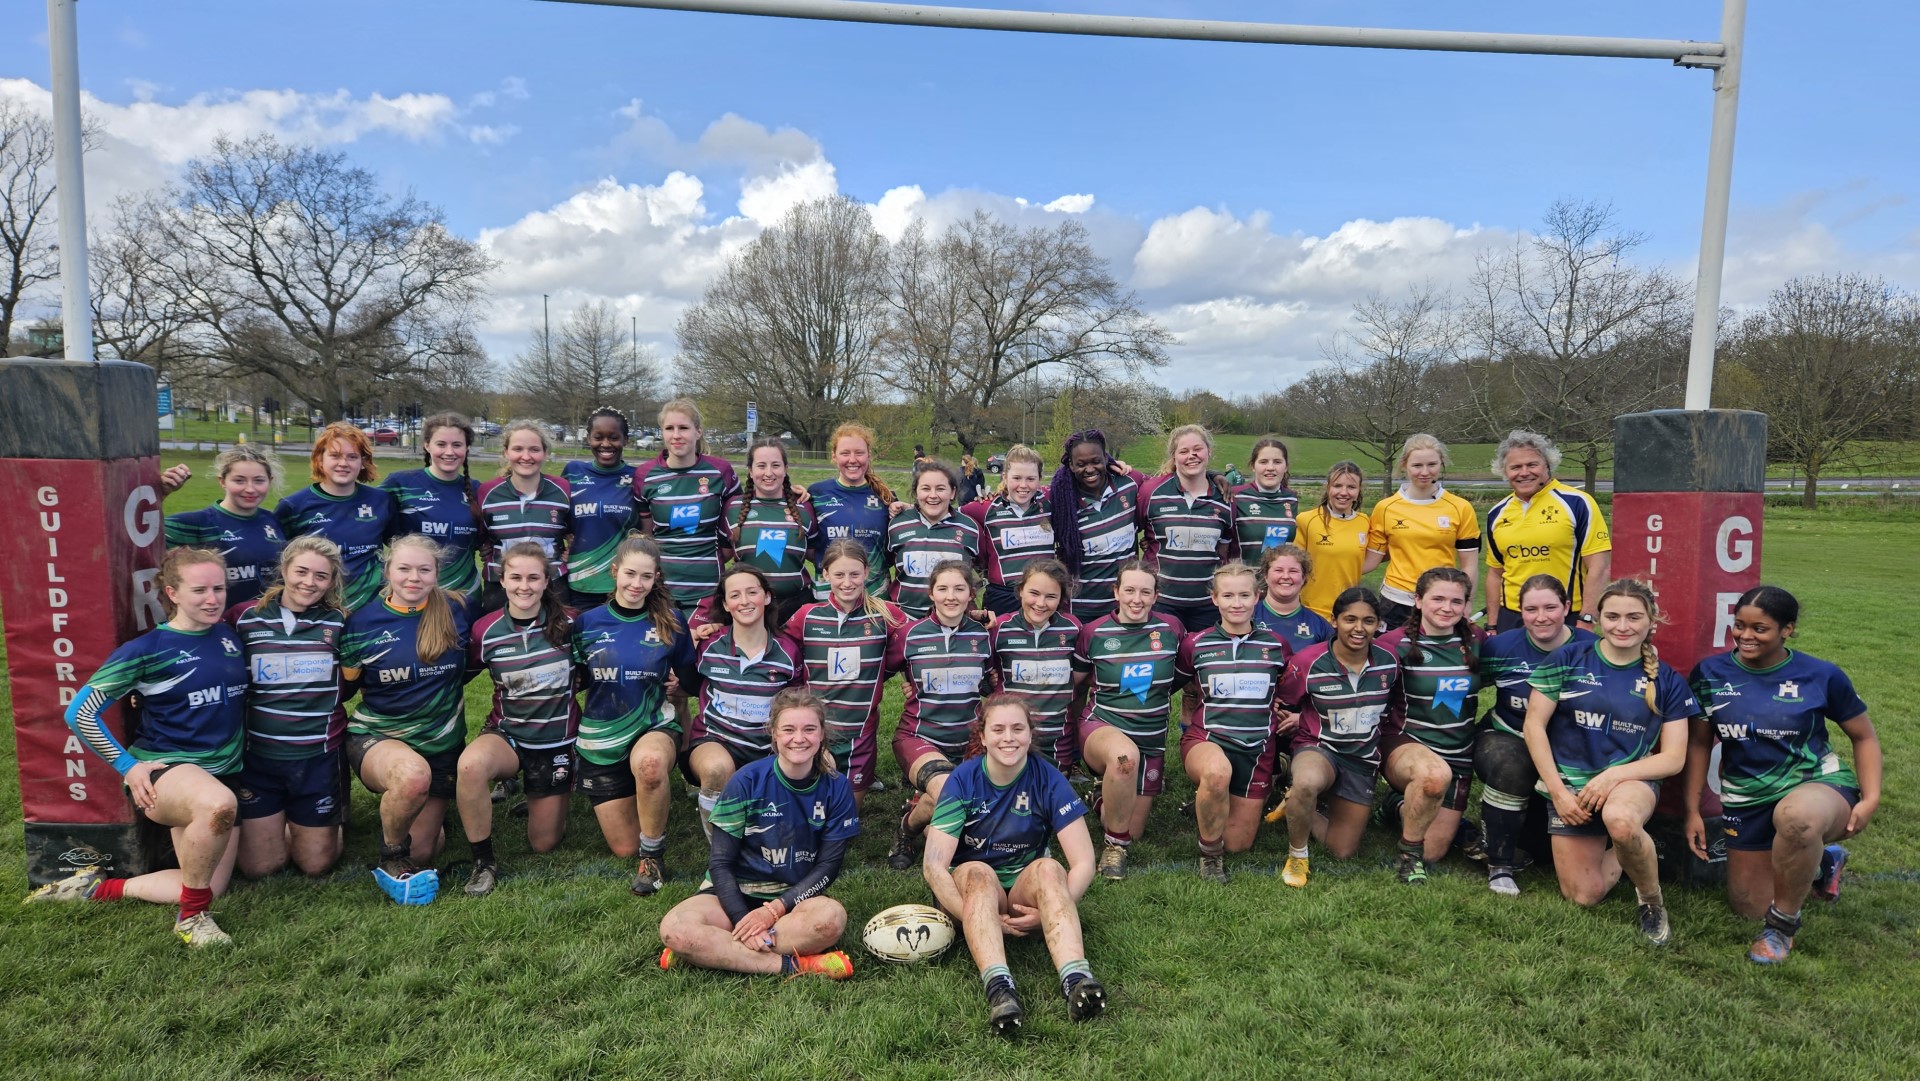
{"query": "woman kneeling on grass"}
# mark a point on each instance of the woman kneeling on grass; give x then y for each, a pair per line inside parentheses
(1607, 721)
(407, 654)
(1787, 793)
(527, 648)
(989, 864)
(192, 682)
(780, 833)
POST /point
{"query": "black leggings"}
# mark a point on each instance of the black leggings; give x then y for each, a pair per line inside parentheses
(1507, 774)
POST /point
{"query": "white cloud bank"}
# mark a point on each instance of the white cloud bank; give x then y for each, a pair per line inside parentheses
(1250, 300)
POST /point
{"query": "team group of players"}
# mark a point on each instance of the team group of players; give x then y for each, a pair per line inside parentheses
(638, 618)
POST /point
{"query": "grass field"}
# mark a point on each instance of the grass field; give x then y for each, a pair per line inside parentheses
(1356, 976)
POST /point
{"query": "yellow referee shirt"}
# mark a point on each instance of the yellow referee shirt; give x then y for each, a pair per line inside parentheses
(1548, 534)
(1338, 548)
(1417, 534)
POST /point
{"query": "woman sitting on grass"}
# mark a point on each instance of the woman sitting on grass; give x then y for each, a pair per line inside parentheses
(780, 833)
(989, 863)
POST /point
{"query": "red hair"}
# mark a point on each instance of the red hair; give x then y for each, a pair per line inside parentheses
(341, 431)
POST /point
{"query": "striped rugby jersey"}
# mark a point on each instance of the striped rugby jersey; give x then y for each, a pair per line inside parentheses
(359, 523)
(774, 538)
(1772, 724)
(1342, 711)
(627, 665)
(250, 545)
(1131, 675)
(1037, 665)
(192, 687)
(1189, 536)
(1600, 715)
(293, 678)
(509, 517)
(1442, 694)
(1507, 661)
(533, 700)
(1109, 535)
(1547, 534)
(403, 696)
(1263, 519)
(602, 504)
(1011, 538)
(847, 658)
(915, 546)
(736, 691)
(681, 508)
(942, 669)
(443, 510)
(1239, 679)
(1299, 628)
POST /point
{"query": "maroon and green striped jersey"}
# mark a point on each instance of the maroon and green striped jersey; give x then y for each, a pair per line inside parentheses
(847, 659)
(1263, 519)
(1441, 691)
(1037, 664)
(508, 517)
(1188, 535)
(293, 678)
(942, 669)
(915, 546)
(1132, 674)
(1238, 677)
(682, 509)
(1011, 538)
(736, 690)
(1109, 536)
(533, 681)
(1342, 710)
(770, 535)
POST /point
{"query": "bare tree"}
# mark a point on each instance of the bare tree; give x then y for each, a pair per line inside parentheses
(989, 304)
(1380, 383)
(794, 321)
(1835, 361)
(1579, 332)
(591, 362)
(296, 266)
(28, 255)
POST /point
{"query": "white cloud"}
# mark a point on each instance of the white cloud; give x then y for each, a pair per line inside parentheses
(1070, 204)
(766, 199)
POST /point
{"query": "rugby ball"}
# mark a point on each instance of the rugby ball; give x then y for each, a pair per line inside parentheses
(909, 934)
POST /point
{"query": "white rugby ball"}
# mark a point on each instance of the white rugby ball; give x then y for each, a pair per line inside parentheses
(908, 934)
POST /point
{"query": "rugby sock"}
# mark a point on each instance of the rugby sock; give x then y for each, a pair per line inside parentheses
(652, 847)
(1115, 838)
(194, 901)
(483, 851)
(1215, 847)
(1788, 925)
(708, 801)
(1415, 848)
(1657, 899)
(108, 889)
(1073, 972)
(995, 972)
(1298, 853)
(1502, 826)
(787, 966)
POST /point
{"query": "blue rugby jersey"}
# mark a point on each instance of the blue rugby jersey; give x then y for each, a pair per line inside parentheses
(1600, 715)
(1772, 724)
(627, 665)
(192, 708)
(403, 696)
(249, 543)
(844, 513)
(782, 824)
(1005, 828)
(1299, 628)
(602, 514)
(445, 511)
(359, 523)
(1507, 660)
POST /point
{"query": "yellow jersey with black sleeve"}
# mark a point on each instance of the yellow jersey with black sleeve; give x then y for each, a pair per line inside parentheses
(1548, 534)
(1338, 548)
(1417, 534)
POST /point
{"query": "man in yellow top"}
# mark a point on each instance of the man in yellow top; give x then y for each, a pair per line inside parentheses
(1544, 527)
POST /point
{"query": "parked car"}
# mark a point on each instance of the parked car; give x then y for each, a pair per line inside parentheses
(646, 442)
(997, 464)
(386, 435)
(485, 427)
(558, 431)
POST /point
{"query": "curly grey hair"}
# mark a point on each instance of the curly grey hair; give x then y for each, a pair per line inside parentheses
(1521, 439)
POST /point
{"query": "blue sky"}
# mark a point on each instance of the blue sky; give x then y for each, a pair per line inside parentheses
(1249, 193)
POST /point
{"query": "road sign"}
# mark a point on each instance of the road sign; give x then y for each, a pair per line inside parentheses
(753, 417)
(164, 394)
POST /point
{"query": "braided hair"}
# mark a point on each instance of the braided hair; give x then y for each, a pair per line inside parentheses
(610, 411)
(791, 493)
(1649, 656)
(1064, 500)
(1462, 627)
(448, 420)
